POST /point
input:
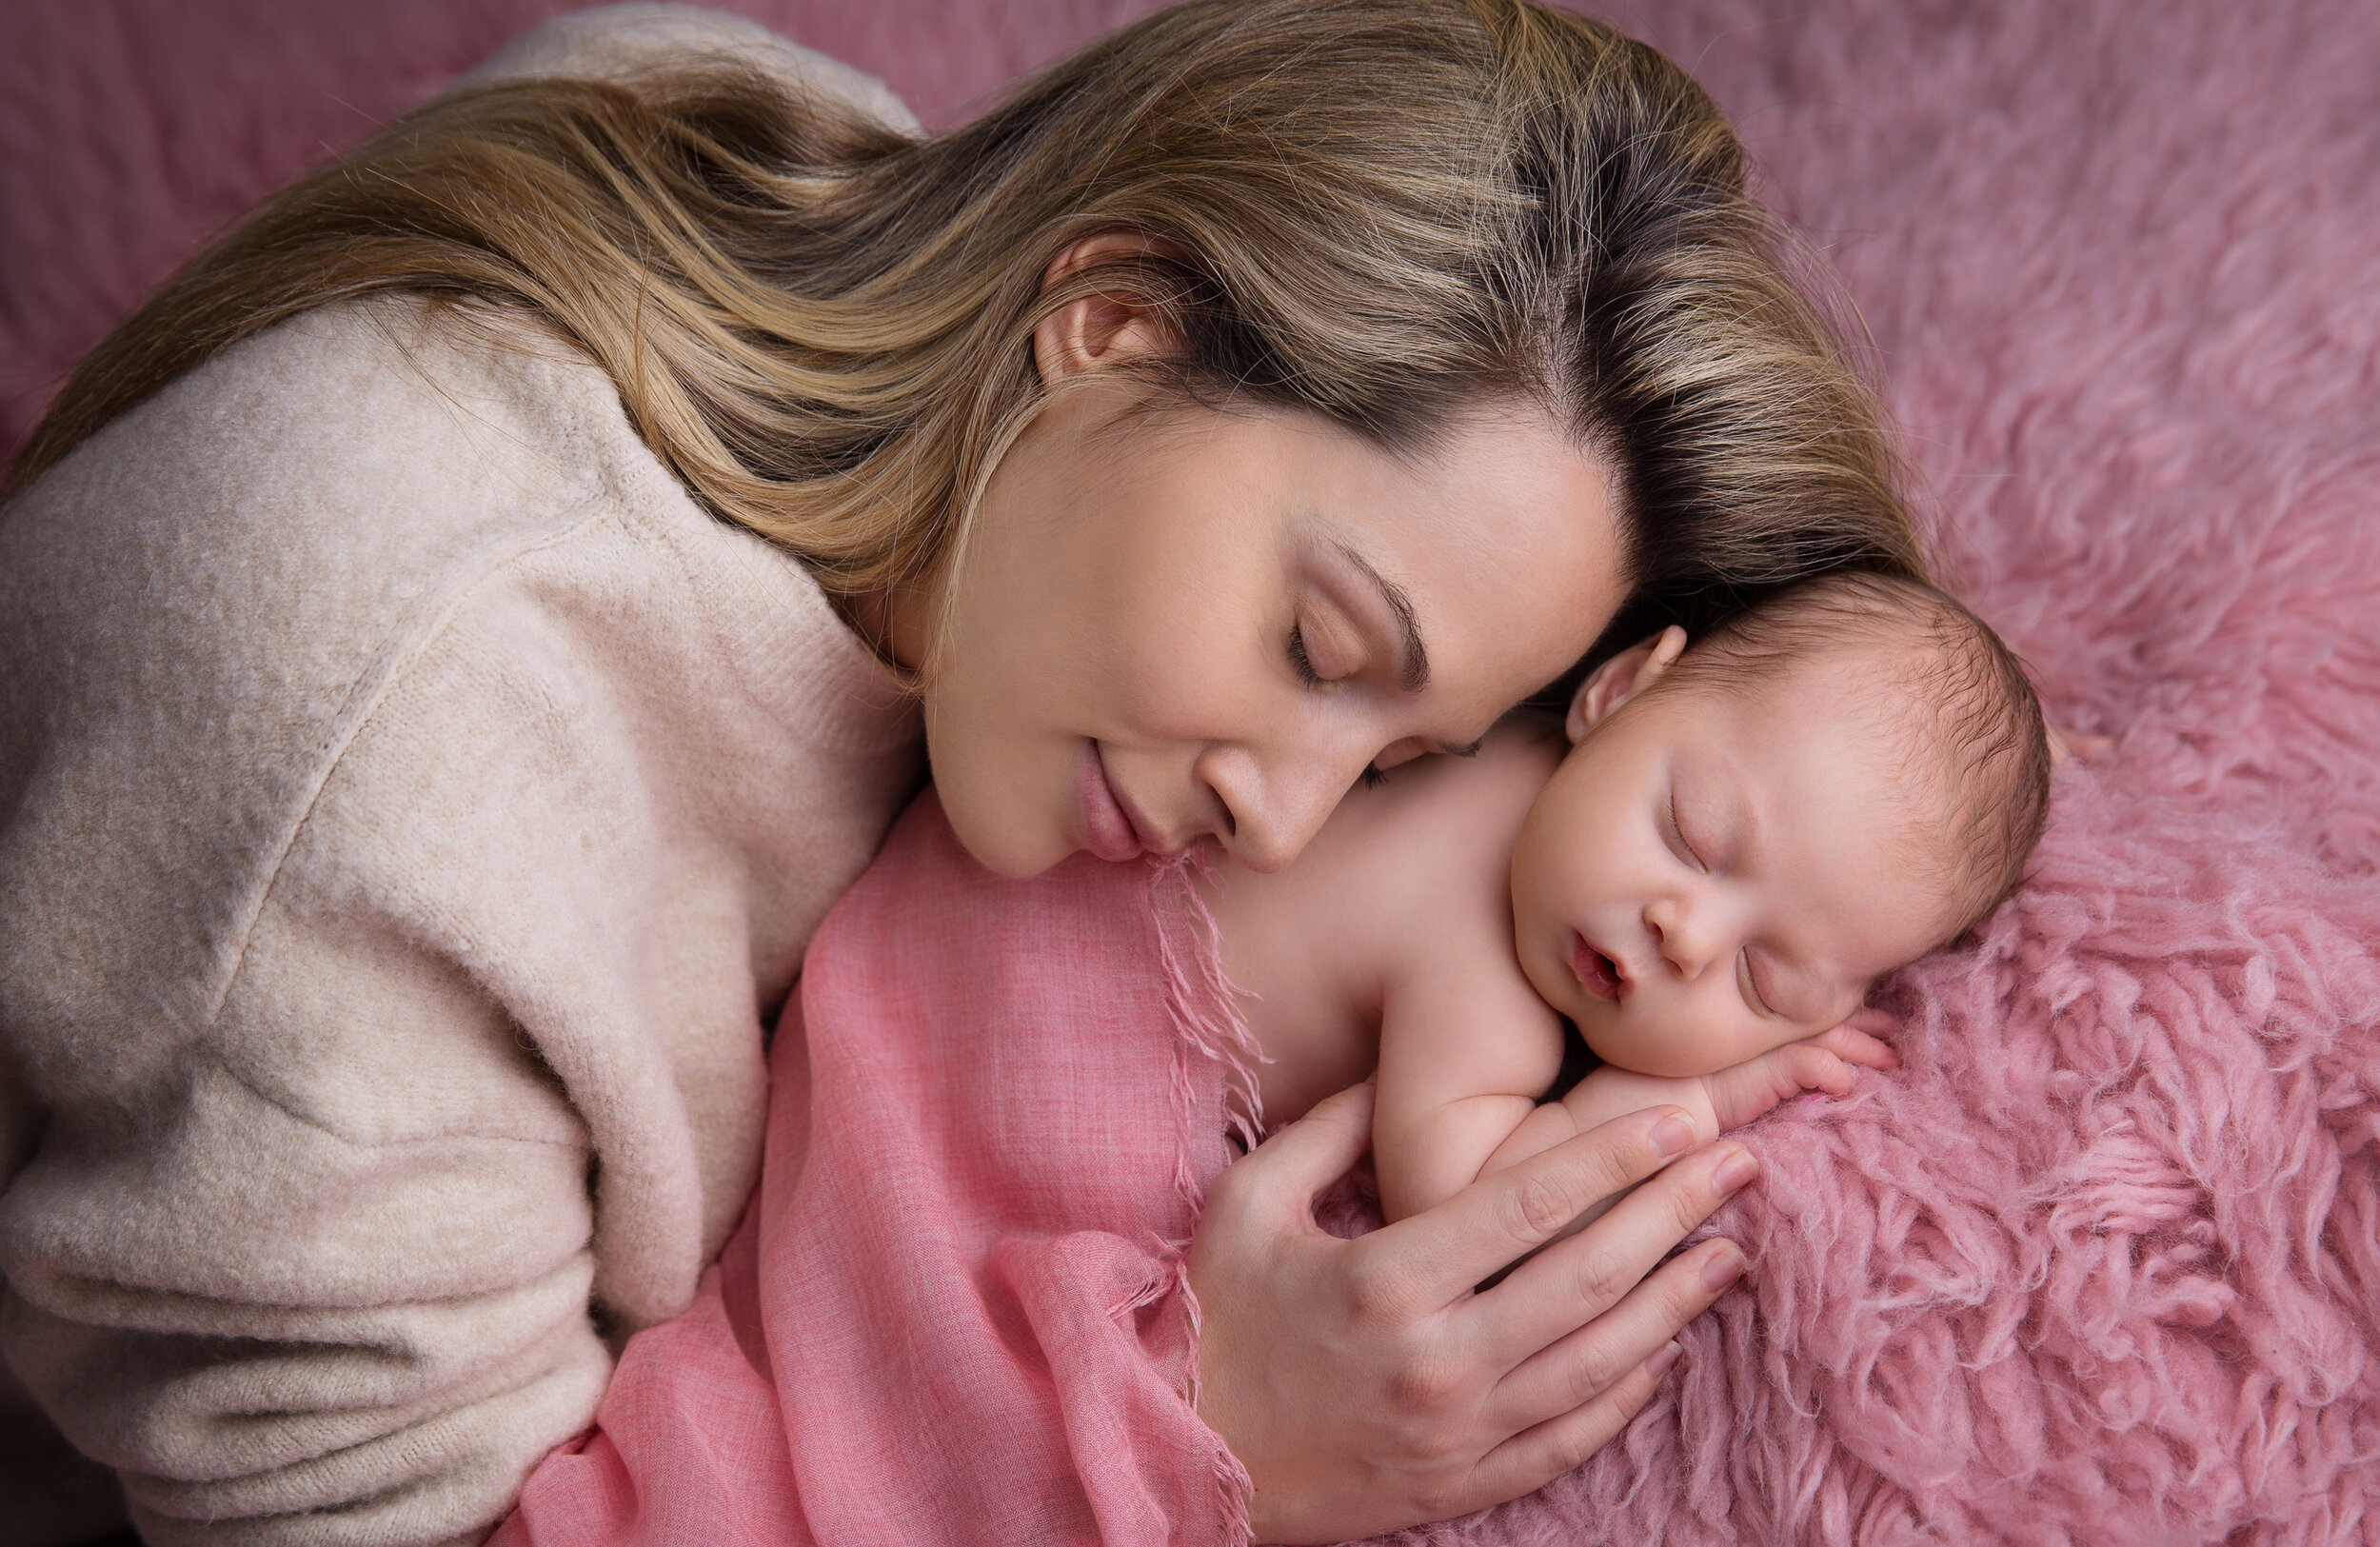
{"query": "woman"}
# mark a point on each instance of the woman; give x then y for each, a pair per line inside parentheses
(465, 631)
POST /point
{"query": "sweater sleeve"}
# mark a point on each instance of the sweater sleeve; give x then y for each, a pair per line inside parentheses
(297, 1219)
(401, 838)
(389, 927)
(409, 802)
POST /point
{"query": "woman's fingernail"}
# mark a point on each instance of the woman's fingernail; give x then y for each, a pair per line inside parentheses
(1722, 1269)
(1675, 1134)
(1735, 1170)
(1662, 1358)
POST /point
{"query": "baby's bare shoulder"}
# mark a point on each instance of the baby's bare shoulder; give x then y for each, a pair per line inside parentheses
(1429, 848)
(1411, 855)
(1407, 880)
(1462, 807)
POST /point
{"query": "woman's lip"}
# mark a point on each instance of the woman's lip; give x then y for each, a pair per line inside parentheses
(1108, 830)
(1142, 829)
(1600, 975)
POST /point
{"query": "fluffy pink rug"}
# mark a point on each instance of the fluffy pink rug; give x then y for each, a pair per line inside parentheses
(2101, 1262)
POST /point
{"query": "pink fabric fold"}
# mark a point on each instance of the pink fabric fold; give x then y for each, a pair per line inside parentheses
(954, 1312)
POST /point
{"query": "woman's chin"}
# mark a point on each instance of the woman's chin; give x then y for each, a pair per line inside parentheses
(1004, 842)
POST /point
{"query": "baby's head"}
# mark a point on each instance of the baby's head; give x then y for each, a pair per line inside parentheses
(1750, 831)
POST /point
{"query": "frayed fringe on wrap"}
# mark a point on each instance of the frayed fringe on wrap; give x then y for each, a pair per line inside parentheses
(1234, 1488)
(1205, 1011)
(1204, 1006)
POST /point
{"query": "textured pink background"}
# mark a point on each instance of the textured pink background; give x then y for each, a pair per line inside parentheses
(130, 129)
(2101, 1262)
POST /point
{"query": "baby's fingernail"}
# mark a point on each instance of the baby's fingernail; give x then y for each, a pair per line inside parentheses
(1662, 1358)
(1675, 1134)
(1722, 1269)
(1735, 1170)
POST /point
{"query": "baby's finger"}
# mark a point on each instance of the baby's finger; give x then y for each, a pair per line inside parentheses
(1873, 1021)
(2066, 741)
(1852, 1045)
(1809, 1066)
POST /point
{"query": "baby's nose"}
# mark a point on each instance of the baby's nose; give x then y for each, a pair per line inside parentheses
(1687, 937)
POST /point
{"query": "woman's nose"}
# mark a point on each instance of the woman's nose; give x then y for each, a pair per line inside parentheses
(1273, 810)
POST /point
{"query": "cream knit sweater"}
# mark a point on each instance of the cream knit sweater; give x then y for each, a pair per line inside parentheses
(411, 809)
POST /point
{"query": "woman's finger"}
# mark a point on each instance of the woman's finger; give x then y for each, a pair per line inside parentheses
(1539, 1454)
(1570, 1284)
(1303, 1159)
(1442, 1254)
(1583, 1366)
(1528, 1461)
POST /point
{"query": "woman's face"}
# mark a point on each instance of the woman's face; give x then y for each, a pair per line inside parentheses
(1186, 623)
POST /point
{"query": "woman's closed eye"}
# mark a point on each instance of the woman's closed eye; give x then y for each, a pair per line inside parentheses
(1321, 653)
(1298, 660)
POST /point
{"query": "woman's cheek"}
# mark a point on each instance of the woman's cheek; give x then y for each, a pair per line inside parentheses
(1186, 680)
(1003, 773)
(993, 816)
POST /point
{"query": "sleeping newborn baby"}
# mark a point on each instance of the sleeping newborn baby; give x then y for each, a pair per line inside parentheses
(1737, 840)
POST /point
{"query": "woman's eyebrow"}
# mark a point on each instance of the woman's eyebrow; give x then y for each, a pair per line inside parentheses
(1415, 674)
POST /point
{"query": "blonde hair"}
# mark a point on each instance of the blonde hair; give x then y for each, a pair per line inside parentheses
(1384, 211)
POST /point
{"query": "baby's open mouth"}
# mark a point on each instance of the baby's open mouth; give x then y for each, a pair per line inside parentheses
(1598, 973)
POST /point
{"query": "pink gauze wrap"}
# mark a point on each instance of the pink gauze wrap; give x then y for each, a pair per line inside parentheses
(954, 1312)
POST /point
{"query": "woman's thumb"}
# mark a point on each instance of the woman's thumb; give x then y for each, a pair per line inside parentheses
(1314, 1152)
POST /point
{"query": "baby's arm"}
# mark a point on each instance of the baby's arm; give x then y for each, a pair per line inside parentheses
(1718, 1101)
(1467, 1050)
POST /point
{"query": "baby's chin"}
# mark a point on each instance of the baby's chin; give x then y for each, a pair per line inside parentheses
(1660, 1058)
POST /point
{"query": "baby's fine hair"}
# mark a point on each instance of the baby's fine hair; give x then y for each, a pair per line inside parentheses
(1956, 695)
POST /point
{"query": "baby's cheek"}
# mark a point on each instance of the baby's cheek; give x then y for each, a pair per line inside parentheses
(1633, 1043)
(1767, 1036)
(1673, 1043)
(1538, 941)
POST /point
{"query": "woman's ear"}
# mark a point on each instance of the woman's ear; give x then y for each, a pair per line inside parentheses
(1620, 678)
(1096, 330)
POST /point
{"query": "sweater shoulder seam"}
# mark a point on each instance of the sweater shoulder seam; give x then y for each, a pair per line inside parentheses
(364, 698)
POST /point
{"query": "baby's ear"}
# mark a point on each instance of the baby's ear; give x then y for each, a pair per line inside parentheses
(1620, 678)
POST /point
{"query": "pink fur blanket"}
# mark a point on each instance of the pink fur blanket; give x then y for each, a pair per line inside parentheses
(2099, 1262)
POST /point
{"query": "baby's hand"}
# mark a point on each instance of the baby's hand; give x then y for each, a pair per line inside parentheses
(1821, 1062)
(1714, 1102)
(2066, 742)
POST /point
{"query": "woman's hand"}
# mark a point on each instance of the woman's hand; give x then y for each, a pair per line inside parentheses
(1366, 1386)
